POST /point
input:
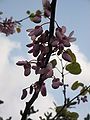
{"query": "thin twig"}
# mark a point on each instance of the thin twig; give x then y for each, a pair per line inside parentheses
(66, 105)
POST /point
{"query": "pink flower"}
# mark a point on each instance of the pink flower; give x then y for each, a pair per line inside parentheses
(43, 90)
(45, 72)
(62, 38)
(44, 37)
(56, 83)
(47, 8)
(66, 56)
(36, 31)
(37, 87)
(26, 65)
(7, 26)
(36, 49)
(47, 13)
(46, 3)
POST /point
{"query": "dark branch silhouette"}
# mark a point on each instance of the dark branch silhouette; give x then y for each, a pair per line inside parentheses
(51, 31)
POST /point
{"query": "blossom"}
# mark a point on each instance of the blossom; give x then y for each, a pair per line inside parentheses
(7, 26)
(26, 65)
(66, 56)
(47, 8)
(62, 38)
(45, 72)
(35, 31)
(56, 83)
(43, 90)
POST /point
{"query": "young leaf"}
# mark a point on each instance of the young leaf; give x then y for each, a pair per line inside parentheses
(24, 94)
(74, 68)
(53, 62)
(32, 15)
(74, 115)
(18, 29)
(72, 55)
(73, 103)
(89, 90)
(81, 84)
(75, 85)
(83, 91)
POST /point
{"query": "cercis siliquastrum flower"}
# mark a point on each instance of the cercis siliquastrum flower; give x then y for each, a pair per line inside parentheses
(7, 26)
(35, 32)
(56, 83)
(66, 56)
(47, 8)
(45, 72)
(43, 90)
(26, 65)
(40, 47)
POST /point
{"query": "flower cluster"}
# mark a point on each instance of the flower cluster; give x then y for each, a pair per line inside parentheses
(7, 26)
(26, 65)
(39, 47)
(60, 40)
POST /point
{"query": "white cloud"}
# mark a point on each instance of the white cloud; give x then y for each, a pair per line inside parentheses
(12, 80)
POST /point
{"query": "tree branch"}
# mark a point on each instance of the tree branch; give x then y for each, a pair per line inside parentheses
(66, 105)
(51, 30)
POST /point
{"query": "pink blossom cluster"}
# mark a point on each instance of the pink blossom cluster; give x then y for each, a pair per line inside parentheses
(39, 47)
(7, 26)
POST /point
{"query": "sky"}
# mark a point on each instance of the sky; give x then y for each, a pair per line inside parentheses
(75, 15)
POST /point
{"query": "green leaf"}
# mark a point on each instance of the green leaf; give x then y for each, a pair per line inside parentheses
(89, 90)
(63, 112)
(32, 15)
(73, 103)
(72, 55)
(83, 91)
(75, 85)
(74, 68)
(53, 62)
(81, 84)
(18, 29)
(74, 115)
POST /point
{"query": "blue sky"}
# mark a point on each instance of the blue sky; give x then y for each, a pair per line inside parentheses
(75, 15)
